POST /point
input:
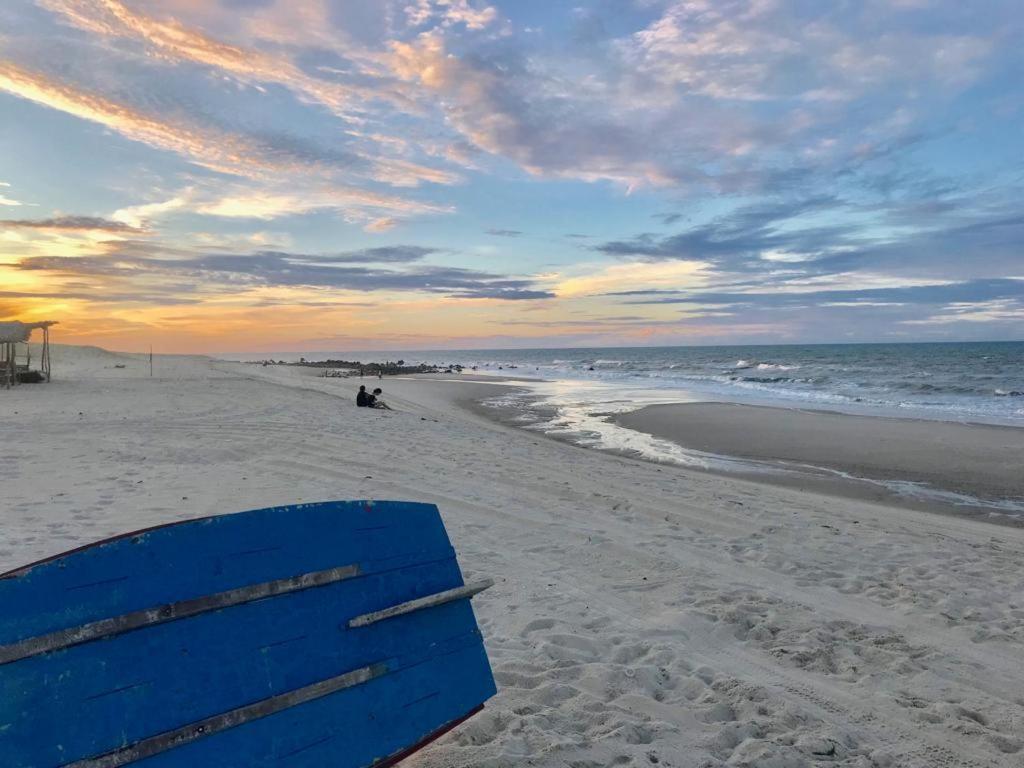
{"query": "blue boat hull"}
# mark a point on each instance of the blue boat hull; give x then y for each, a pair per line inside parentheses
(227, 642)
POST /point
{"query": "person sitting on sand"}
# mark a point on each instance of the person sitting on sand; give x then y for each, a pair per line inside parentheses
(374, 400)
(363, 399)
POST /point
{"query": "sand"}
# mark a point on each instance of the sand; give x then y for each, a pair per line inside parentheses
(977, 460)
(643, 614)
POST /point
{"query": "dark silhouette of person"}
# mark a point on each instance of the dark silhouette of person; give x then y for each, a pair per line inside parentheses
(375, 402)
(363, 399)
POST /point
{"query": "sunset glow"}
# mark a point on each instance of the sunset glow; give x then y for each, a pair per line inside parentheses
(292, 175)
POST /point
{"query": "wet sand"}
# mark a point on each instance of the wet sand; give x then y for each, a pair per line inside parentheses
(980, 460)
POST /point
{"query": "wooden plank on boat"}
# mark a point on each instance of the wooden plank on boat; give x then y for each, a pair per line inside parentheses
(182, 609)
(430, 601)
(154, 745)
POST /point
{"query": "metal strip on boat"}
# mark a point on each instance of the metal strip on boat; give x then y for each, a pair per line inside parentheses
(163, 742)
(162, 614)
(430, 601)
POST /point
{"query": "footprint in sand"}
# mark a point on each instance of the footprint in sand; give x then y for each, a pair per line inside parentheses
(537, 625)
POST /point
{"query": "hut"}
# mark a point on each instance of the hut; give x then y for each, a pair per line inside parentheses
(14, 338)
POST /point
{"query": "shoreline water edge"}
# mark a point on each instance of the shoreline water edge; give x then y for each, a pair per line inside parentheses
(979, 382)
(947, 467)
(928, 426)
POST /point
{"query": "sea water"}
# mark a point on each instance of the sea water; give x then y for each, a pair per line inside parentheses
(966, 382)
(575, 393)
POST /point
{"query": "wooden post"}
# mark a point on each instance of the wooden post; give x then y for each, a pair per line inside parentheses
(46, 353)
(9, 364)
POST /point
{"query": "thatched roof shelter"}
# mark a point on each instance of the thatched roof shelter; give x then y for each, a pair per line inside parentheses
(12, 334)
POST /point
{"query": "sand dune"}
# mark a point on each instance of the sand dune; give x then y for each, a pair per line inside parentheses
(644, 615)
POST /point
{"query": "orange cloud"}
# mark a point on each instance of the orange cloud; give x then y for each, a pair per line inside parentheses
(381, 225)
(210, 148)
(177, 42)
(630, 276)
(229, 153)
(270, 202)
(451, 12)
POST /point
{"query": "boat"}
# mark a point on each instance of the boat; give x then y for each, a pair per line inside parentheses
(338, 634)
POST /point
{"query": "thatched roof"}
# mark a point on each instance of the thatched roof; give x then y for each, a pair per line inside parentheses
(16, 331)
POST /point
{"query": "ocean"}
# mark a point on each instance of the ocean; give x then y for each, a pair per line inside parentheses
(575, 393)
(965, 382)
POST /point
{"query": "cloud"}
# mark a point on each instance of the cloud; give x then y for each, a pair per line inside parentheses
(354, 100)
(987, 312)
(784, 242)
(6, 200)
(816, 152)
(101, 296)
(275, 200)
(749, 50)
(595, 323)
(982, 309)
(743, 238)
(597, 279)
(645, 292)
(718, 50)
(73, 223)
(204, 146)
(386, 254)
(672, 104)
(139, 216)
(260, 159)
(967, 293)
(383, 224)
(731, 96)
(818, 265)
(450, 12)
(253, 156)
(175, 42)
(501, 103)
(360, 271)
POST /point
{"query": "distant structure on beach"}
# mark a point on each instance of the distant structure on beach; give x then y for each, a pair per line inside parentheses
(14, 337)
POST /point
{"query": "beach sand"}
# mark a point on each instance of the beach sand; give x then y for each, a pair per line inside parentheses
(979, 460)
(643, 614)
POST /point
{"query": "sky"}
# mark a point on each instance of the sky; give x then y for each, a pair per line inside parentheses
(293, 175)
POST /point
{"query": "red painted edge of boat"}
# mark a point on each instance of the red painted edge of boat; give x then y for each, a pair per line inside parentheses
(400, 756)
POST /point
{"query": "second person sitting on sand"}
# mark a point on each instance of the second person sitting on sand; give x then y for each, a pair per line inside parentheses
(363, 398)
(374, 401)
